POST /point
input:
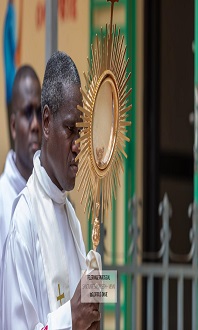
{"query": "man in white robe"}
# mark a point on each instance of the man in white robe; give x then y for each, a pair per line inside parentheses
(45, 252)
(26, 133)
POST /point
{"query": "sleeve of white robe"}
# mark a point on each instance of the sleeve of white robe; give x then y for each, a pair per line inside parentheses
(20, 308)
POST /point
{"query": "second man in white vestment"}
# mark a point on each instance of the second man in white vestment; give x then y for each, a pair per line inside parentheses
(25, 125)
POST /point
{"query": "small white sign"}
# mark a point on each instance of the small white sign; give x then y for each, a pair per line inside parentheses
(99, 287)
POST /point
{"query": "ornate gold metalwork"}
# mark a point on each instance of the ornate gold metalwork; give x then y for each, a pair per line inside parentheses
(104, 122)
(96, 228)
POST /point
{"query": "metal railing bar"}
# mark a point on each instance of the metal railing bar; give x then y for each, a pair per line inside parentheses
(150, 302)
(180, 303)
(134, 301)
(157, 270)
(194, 304)
(117, 309)
(165, 295)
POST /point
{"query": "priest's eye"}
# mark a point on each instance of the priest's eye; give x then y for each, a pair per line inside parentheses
(73, 130)
(69, 129)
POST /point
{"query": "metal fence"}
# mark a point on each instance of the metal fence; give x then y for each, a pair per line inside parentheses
(165, 268)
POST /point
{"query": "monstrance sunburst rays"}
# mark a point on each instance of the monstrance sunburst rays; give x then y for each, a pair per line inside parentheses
(98, 180)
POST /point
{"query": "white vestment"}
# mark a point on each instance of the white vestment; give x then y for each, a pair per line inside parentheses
(25, 303)
(11, 184)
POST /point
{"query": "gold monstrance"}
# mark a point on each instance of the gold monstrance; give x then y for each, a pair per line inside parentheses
(104, 123)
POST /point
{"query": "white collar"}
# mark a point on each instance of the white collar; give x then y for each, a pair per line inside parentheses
(49, 187)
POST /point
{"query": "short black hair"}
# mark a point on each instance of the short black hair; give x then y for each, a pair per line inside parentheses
(22, 72)
(60, 71)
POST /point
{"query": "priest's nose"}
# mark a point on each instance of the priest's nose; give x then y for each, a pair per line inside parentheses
(75, 146)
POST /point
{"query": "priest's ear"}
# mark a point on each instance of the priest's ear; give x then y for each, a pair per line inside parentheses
(46, 121)
(13, 125)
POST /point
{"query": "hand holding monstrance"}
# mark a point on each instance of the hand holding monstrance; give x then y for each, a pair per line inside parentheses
(104, 122)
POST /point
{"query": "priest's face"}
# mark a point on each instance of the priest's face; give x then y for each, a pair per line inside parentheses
(61, 147)
(26, 124)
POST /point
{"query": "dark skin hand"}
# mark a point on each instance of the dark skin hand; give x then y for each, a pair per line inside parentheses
(85, 316)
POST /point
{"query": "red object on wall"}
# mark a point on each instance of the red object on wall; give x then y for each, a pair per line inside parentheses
(67, 9)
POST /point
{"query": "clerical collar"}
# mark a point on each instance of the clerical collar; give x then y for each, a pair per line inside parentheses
(49, 187)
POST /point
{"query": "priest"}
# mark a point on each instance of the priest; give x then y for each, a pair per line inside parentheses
(45, 252)
(25, 125)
